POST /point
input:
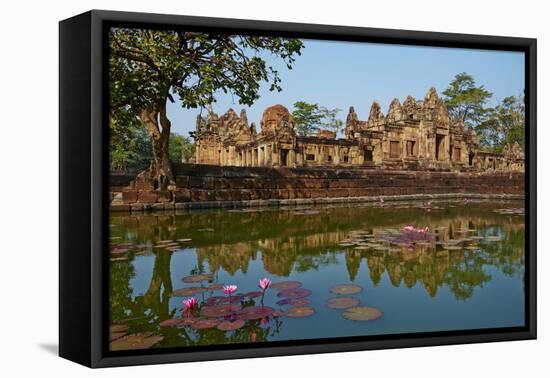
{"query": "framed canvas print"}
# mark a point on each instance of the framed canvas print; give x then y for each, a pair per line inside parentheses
(234, 188)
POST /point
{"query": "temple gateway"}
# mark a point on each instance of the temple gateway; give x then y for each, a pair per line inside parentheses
(415, 135)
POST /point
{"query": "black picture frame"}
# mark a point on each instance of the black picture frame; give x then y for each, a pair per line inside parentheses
(84, 205)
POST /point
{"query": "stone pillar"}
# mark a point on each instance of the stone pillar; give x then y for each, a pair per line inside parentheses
(268, 156)
(336, 157)
(291, 158)
(447, 148)
(299, 159)
(275, 157)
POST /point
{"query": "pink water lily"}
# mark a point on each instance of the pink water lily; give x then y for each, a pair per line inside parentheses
(229, 289)
(264, 283)
(409, 228)
(190, 303)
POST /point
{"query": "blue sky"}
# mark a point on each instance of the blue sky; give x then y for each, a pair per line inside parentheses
(344, 74)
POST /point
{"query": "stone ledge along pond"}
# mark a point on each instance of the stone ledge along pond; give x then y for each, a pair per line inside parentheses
(335, 271)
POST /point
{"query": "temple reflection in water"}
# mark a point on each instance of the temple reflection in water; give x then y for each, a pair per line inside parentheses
(247, 244)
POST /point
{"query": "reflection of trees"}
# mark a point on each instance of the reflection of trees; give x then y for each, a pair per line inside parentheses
(286, 242)
(160, 288)
(120, 291)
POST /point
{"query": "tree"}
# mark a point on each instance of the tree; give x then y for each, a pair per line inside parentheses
(504, 124)
(465, 100)
(129, 145)
(329, 120)
(180, 148)
(309, 118)
(148, 68)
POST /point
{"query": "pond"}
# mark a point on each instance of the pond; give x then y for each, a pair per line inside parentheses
(335, 271)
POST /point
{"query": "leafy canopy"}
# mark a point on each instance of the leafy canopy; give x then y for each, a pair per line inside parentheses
(310, 118)
(504, 124)
(150, 66)
(180, 148)
(129, 144)
(465, 100)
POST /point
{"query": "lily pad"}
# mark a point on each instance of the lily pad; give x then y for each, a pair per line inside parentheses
(300, 312)
(231, 325)
(116, 335)
(342, 302)
(117, 251)
(115, 259)
(300, 302)
(217, 311)
(285, 285)
(198, 278)
(215, 286)
(293, 302)
(118, 328)
(187, 321)
(205, 324)
(188, 291)
(184, 240)
(452, 247)
(255, 312)
(346, 289)
(170, 322)
(295, 293)
(142, 340)
(362, 313)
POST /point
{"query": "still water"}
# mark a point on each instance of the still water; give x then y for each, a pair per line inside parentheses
(460, 266)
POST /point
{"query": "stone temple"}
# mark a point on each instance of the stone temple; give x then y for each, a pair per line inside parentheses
(415, 135)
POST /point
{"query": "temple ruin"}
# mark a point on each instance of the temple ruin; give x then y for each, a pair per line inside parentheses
(415, 135)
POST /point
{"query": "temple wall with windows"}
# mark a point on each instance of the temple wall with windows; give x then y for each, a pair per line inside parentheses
(415, 135)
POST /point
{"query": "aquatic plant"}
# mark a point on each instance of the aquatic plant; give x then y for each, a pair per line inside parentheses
(362, 313)
(264, 284)
(409, 236)
(229, 289)
(189, 305)
(342, 302)
(346, 289)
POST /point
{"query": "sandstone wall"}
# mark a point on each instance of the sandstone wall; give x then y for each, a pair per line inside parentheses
(204, 183)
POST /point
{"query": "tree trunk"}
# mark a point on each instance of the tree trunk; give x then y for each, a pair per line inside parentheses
(160, 173)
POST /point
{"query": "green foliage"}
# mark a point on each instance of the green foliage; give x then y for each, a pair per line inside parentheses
(465, 100)
(329, 120)
(310, 118)
(504, 124)
(180, 148)
(147, 67)
(129, 145)
(307, 118)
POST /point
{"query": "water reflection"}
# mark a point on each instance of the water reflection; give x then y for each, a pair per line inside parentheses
(473, 245)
